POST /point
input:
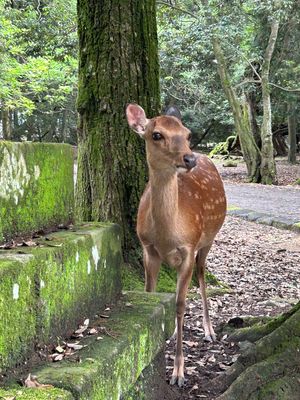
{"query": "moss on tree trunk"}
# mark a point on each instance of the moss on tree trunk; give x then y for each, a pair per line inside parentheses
(118, 65)
(269, 368)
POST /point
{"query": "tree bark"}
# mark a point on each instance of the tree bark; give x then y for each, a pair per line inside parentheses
(6, 126)
(268, 167)
(118, 64)
(249, 148)
(292, 139)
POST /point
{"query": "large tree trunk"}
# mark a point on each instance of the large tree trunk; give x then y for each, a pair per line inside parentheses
(269, 368)
(118, 65)
(292, 126)
(249, 148)
(268, 167)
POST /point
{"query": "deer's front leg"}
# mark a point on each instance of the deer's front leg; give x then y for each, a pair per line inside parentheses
(152, 262)
(184, 276)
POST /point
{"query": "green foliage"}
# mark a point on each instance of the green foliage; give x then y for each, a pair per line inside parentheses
(189, 75)
(38, 68)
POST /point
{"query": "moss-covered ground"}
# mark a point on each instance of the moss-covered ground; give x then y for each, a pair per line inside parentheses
(35, 394)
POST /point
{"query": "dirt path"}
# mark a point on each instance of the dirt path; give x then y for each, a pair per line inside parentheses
(261, 265)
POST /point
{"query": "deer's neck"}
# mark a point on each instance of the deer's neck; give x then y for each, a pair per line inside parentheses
(164, 198)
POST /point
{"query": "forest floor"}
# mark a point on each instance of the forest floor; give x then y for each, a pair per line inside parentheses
(261, 266)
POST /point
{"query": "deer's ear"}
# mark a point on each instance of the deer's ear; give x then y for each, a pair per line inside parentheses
(136, 118)
(173, 111)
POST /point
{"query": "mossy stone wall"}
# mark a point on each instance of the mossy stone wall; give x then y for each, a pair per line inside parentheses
(36, 187)
(47, 290)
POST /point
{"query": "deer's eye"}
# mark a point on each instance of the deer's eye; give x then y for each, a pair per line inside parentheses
(157, 136)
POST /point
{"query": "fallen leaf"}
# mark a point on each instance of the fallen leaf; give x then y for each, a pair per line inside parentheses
(31, 382)
(75, 346)
(93, 331)
(81, 329)
(58, 357)
(59, 349)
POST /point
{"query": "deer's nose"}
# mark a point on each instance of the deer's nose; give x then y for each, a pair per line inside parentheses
(189, 160)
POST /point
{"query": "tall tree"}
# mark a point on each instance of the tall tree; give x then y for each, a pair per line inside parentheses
(118, 64)
(241, 115)
(267, 167)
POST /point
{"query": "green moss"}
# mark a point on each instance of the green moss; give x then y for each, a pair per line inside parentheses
(230, 163)
(296, 227)
(224, 148)
(167, 280)
(255, 328)
(17, 308)
(36, 187)
(110, 366)
(57, 286)
(297, 182)
(232, 208)
(285, 388)
(35, 394)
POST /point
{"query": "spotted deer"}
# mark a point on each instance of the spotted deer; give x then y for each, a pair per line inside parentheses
(180, 212)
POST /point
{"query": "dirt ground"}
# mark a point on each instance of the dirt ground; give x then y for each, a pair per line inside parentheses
(287, 174)
(261, 266)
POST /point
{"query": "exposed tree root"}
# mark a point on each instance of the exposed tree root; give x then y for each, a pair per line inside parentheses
(269, 368)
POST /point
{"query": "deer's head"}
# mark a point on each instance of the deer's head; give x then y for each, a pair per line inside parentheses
(167, 140)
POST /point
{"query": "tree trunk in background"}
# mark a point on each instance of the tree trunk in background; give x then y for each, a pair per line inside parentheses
(268, 167)
(118, 64)
(241, 117)
(6, 127)
(250, 98)
(292, 140)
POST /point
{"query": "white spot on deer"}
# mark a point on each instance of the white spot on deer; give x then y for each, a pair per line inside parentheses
(197, 217)
(95, 255)
(89, 267)
(15, 291)
(196, 196)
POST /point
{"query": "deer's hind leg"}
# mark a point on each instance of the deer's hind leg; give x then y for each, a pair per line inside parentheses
(152, 262)
(200, 272)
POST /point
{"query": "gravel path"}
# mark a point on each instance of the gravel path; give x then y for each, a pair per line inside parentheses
(278, 201)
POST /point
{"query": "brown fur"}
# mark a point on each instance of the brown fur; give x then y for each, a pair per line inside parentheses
(179, 214)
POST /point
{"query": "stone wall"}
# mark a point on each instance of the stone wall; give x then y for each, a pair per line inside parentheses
(36, 187)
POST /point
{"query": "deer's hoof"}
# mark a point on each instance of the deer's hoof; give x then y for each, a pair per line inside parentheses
(179, 379)
(210, 338)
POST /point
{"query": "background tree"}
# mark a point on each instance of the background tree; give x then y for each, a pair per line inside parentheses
(232, 39)
(38, 70)
(118, 64)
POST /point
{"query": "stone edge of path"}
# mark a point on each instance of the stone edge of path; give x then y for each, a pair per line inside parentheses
(264, 219)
